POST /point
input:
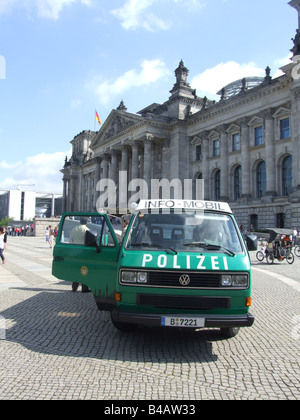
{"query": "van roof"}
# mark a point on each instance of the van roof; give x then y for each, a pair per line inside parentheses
(184, 204)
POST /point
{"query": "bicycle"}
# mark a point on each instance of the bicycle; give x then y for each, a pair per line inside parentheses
(260, 255)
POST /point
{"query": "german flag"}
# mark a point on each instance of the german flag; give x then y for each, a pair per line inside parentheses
(98, 118)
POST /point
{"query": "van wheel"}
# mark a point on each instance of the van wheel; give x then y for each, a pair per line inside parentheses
(229, 332)
(123, 326)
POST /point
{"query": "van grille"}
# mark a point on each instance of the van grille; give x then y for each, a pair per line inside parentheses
(197, 280)
(184, 302)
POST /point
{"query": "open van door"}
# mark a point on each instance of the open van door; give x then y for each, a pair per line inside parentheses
(86, 252)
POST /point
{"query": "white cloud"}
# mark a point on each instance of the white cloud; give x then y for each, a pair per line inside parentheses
(136, 13)
(50, 9)
(42, 171)
(212, 80)
(6, 6)
(150, 72)
(280, 63)
(6, 165)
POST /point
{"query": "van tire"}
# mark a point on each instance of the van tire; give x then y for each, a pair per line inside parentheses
(229, 332)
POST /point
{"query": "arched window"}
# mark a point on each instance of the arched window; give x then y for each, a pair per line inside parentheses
(218, 185)
(237, 187)
(287, 175)
(261, 179)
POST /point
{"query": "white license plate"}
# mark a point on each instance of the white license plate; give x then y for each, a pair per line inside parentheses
(185, 322)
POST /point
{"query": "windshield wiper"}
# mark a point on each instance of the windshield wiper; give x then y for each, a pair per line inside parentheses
(150, 245)
(210, 247)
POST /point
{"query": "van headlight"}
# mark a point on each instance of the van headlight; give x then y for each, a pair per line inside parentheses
(140, 277)
(235, 280)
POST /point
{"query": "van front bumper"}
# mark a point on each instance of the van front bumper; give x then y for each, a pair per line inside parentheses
(211, 321)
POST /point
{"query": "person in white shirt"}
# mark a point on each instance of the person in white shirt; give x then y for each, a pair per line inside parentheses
(295, 233)
(78, 233)
(3, 243)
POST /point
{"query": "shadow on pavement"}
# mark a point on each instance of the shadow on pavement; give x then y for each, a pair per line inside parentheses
(56, 320)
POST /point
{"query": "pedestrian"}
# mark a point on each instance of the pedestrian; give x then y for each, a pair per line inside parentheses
(47, 234)
(3, 243)
(51, 236)
(295, 233)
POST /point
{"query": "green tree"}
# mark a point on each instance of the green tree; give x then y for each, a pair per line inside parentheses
(6, 221)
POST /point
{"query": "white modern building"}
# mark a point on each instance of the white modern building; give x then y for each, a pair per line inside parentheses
(25, 205)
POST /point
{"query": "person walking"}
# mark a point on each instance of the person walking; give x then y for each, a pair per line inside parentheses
(3, 243)
(51, 236)
(47, 234)
(295, 233)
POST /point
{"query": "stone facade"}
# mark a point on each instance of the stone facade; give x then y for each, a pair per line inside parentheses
(245, 147)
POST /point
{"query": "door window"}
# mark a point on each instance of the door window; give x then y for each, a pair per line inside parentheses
(86, 231)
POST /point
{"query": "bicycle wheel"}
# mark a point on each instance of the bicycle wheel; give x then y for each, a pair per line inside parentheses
(297, 251)
(290, 258)
(260, 255)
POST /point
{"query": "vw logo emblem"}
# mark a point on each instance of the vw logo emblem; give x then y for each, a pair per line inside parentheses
(184, 280)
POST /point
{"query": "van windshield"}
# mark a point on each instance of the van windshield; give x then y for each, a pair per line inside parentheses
(187, 230)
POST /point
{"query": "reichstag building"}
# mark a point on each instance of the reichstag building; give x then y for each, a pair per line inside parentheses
(245, 147)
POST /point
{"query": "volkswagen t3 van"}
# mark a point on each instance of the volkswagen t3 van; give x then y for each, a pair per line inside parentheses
(180, 264)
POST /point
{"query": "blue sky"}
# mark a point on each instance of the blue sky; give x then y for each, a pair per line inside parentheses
(62, 59)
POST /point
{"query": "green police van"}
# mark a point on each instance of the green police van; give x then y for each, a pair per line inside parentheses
(180, 263)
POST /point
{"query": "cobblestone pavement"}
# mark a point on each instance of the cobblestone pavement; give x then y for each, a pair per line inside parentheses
(57, 345)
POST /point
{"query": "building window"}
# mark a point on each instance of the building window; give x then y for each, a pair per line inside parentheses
(236, 142)
(261, 179)
(218, 185)
(198, 152)
(258, 132)
(253, 222)
(216, 148)
(285, 128)
(287, 175)
(280, 220)
(238, 183)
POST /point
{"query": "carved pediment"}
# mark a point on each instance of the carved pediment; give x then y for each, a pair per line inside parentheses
(115, 124)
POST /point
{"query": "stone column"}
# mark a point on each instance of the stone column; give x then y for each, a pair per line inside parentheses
(165, 156)
(105, 166)
(124, 159)
(89, 191)
(97, 179)
(71, 195)
(65, 194)
(148, 163)
(113, 172)
(80, 191)
(134, 161)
